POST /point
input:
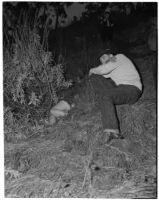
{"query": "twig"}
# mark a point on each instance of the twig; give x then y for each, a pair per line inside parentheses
(45, 72)
(88, 174)
(118, 150)
(58, 188)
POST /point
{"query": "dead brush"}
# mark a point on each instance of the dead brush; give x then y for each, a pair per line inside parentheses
(19, 127)
(32, 187)
(92, 138)
(134, 118)
(31, 78)
(14, 129)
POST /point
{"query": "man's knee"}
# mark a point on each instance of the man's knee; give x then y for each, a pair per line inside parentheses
(107, 97)
(95, 79)
(96, 83)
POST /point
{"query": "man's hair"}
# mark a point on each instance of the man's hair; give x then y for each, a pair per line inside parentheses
(108, 51)
(111, 51)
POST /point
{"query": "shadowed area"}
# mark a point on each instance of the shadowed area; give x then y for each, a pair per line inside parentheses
(67, 160)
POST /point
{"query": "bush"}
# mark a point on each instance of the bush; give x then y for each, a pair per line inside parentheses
(31, 77)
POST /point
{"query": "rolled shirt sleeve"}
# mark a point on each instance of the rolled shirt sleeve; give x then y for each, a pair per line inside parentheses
(105, 68)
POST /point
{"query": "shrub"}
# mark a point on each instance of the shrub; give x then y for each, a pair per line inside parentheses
(31, 77)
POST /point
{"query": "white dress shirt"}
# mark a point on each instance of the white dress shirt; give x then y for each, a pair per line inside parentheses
(121, 71)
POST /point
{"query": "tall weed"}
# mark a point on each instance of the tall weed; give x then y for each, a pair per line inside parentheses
(31, 77)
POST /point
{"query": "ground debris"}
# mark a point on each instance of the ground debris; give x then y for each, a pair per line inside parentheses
(67, 161)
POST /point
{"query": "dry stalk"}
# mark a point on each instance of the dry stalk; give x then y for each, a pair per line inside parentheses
(87, 163)
(118, 150)
(58, 187)
(88, 173)
(45, 72)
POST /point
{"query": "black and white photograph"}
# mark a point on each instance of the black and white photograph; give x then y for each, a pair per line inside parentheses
(80, 83)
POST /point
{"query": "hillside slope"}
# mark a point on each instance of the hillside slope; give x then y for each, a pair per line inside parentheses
(67, 160)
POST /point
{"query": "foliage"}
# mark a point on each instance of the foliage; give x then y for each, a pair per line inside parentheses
(50, 12)
(31, 77)
(29, 64)
(97, 9)
(15, 129)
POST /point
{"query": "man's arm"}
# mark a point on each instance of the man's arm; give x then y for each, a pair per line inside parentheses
(103, 69)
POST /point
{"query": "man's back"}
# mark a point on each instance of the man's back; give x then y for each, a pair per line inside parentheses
(124, 72)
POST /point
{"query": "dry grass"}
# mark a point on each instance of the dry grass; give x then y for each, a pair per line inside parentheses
(67, 161)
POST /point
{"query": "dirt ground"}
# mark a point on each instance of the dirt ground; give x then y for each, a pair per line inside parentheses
(68, 160)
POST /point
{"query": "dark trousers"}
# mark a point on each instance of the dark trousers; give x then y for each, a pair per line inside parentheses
(108, 95)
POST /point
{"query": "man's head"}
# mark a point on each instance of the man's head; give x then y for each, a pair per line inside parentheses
(106, 58)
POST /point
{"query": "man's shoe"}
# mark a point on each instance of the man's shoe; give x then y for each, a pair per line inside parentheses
(110, 134)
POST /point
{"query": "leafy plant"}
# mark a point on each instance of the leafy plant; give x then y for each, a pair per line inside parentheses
(31, 77)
